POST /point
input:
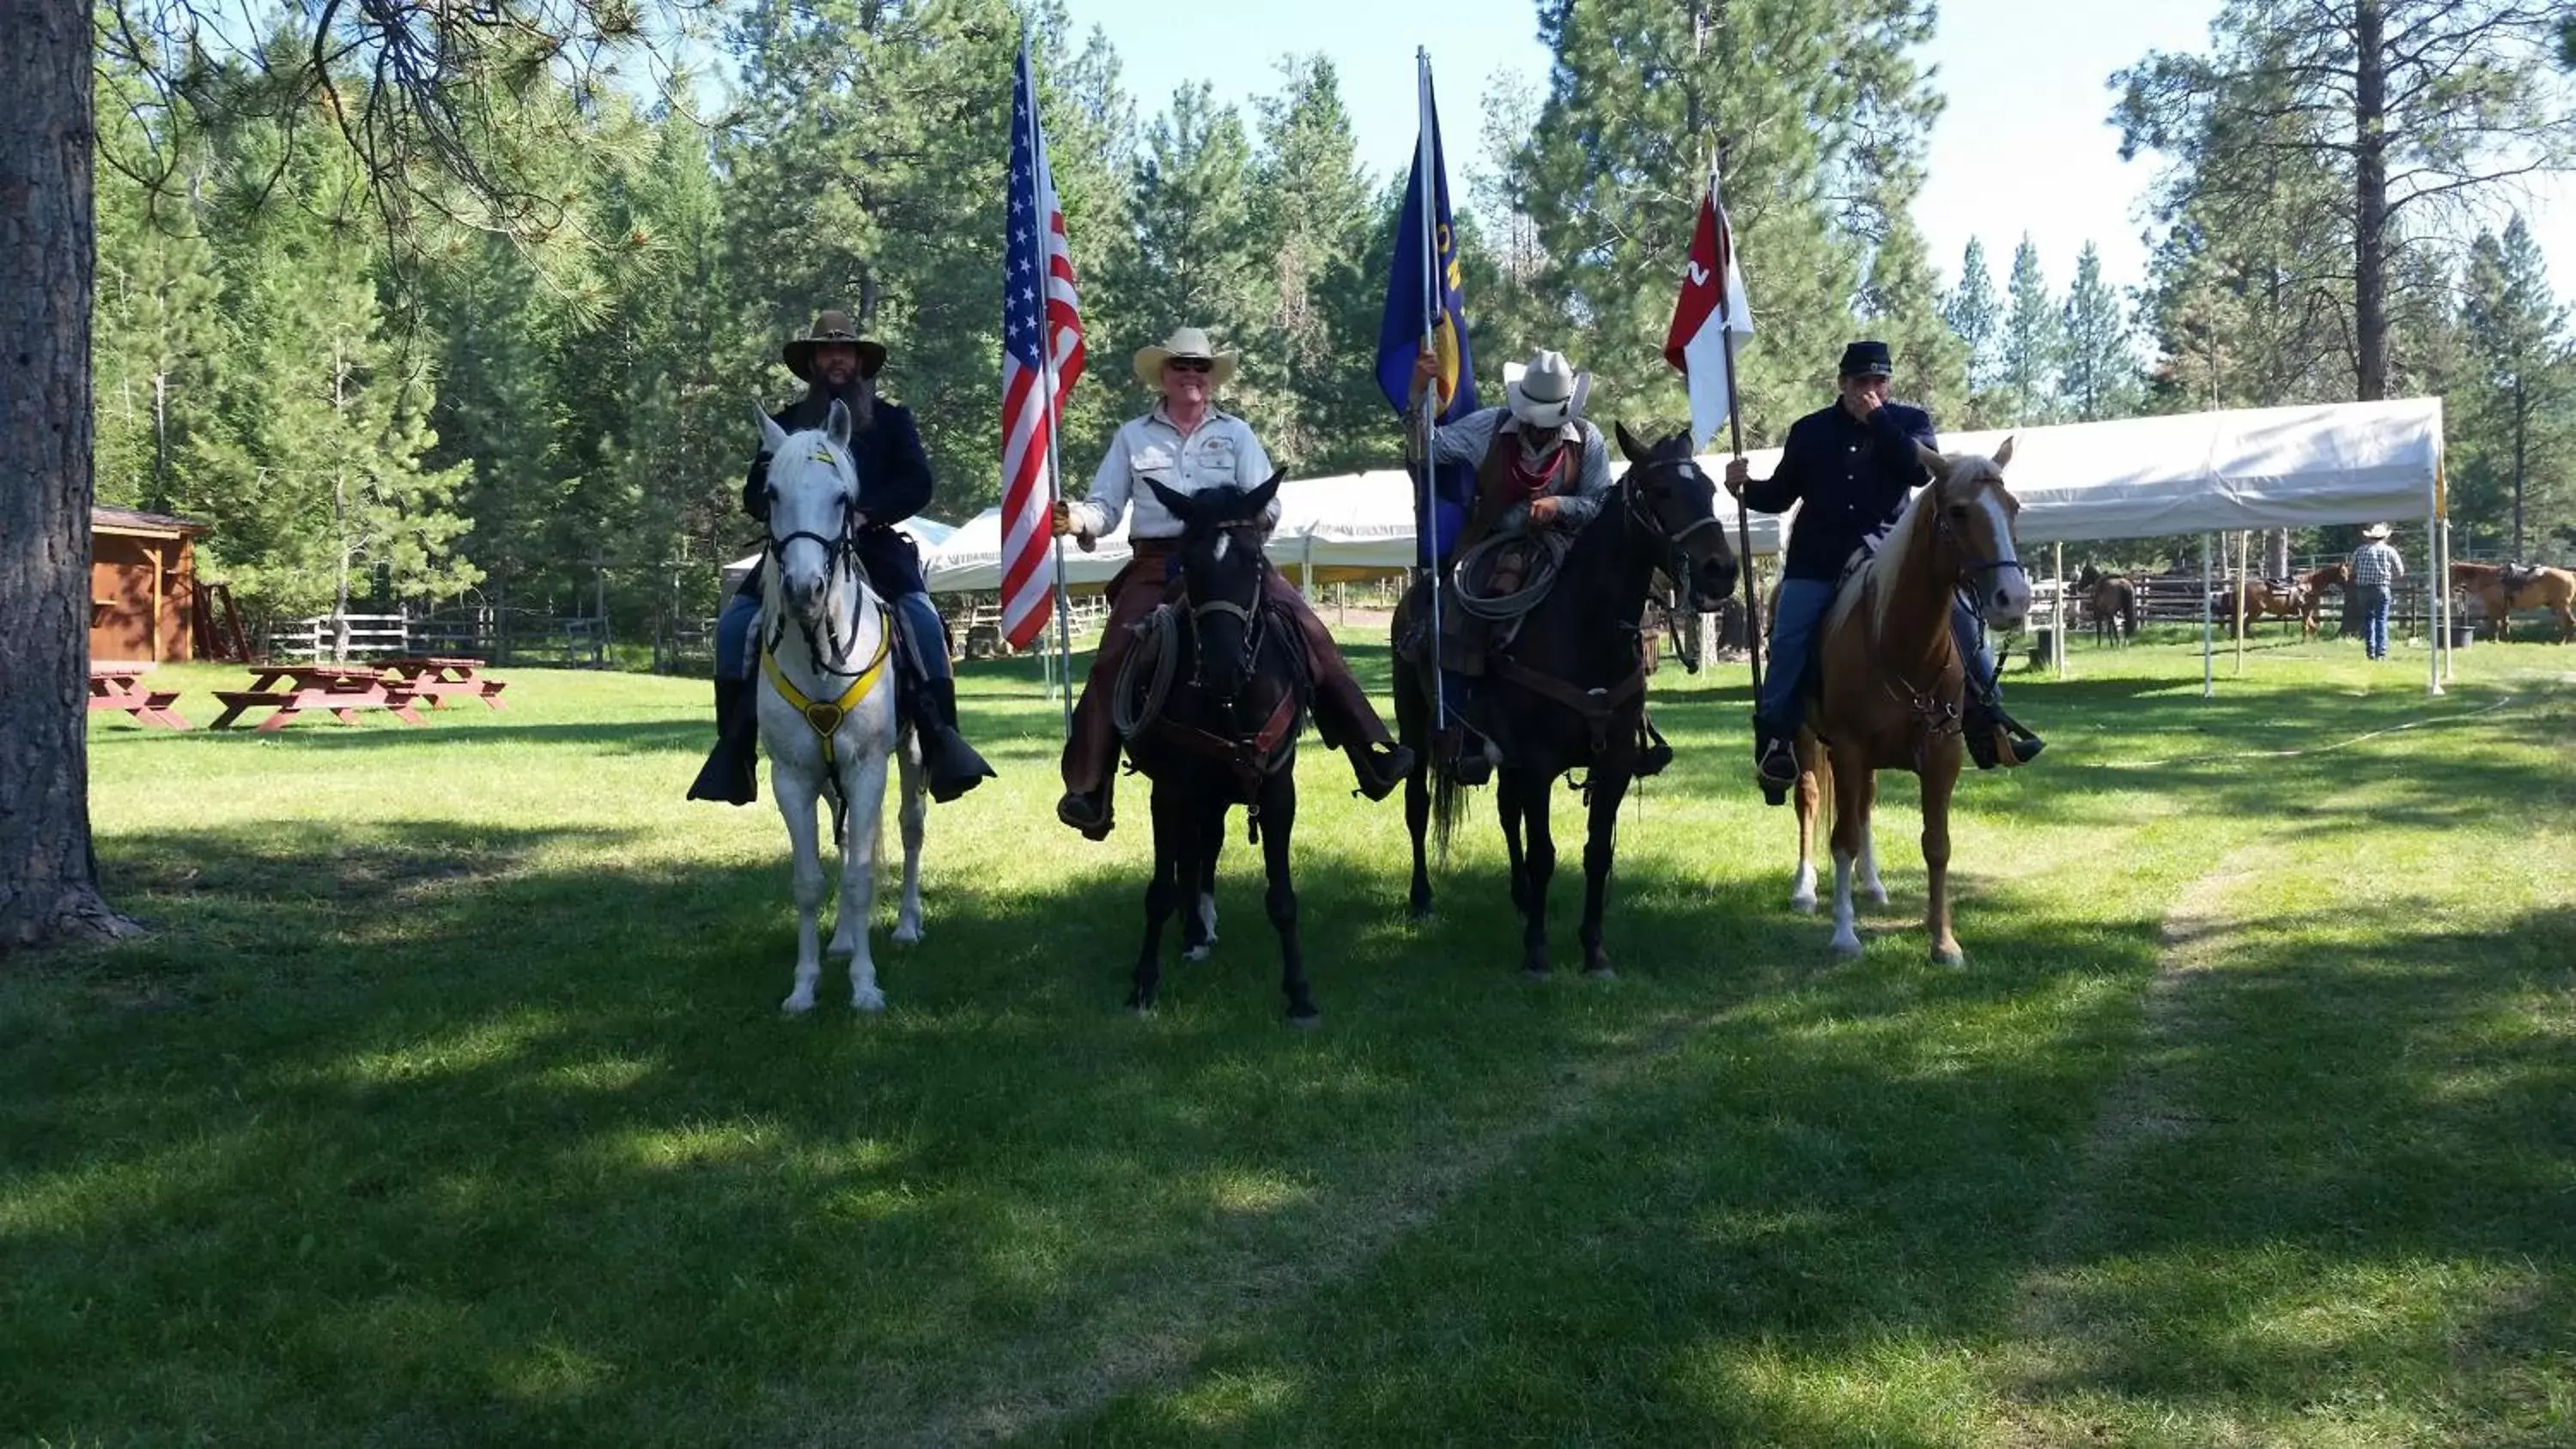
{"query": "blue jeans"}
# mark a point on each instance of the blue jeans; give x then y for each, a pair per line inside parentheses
(925, 639)
(2374, 619)
(1797, 616)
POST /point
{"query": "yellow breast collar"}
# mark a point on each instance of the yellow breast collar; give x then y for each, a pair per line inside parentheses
(825, 716)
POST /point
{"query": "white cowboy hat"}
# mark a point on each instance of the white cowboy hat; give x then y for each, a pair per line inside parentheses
(2375, 531)
(1548, 392)
(1184, 342)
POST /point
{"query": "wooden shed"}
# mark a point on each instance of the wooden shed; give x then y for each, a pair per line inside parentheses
(143, 596)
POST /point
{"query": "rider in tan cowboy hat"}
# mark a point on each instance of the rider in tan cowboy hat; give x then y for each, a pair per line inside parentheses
(1186, 443)
(838, 365)
(1540, 464)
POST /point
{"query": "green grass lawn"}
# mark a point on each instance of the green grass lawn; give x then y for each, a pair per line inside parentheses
(448, 1102)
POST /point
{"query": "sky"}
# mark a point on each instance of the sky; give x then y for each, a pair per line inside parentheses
(2025, 145)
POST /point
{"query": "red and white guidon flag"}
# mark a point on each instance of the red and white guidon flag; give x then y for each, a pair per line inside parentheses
(1712, 308)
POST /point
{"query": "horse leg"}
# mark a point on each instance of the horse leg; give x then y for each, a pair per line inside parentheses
(1507, 806)
(1940, 778)
(1868, 872)
(1600, 843)
(1851, 827)
(1812, 781)
(1538, 868)
(1410, 729)
(798, 795)
(1198, 879)
(864, 787)
(912, 812)
(1172, 817)
(2566, 622)
(1278, 826)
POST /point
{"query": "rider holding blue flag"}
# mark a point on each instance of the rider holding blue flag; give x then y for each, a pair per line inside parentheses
(838, 365)
(1849, 469)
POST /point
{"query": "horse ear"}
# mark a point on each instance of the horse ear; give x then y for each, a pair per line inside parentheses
(772, 436)
(1259, 498)
(1938, 465)
(1176, 504)
(1629, 447)
(2003, 454)
(837, 426)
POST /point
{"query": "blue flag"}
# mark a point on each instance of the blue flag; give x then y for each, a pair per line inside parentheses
(1400, 332)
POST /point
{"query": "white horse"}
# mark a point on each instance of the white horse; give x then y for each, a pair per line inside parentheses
(827, 702)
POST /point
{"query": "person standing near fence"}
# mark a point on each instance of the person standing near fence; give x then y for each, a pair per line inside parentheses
(2376, 568)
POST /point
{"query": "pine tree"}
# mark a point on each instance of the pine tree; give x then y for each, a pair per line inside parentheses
(1311, 201)
(1900, 304)
(1975, 315)
(2033, 343)
(2100, 372)
(1198, 260)
(2513, 467)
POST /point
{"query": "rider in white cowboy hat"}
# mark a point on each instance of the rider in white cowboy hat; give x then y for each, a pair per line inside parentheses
(2376, 567)
(1540, 464)
(1186, 443)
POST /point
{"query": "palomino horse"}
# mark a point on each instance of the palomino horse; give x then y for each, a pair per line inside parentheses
(827, 705)
(1569, 691)
(2500, 591)
(2248, 602)
(2312, 591)
(1889, 689)
(2111, 602)
(1213, 722)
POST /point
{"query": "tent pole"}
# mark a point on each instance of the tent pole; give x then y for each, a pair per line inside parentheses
(2244, 540)
(2057, 565)
(2450, 626)
(2433, 586)
(2208, 628)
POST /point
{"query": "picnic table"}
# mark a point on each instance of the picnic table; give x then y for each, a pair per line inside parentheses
(121, 687)
(295, 688)
(434, 677)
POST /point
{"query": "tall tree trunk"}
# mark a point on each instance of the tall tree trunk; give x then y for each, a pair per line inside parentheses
(48, 872)
(2370, 198)
(2276, 554)
(2521, 455)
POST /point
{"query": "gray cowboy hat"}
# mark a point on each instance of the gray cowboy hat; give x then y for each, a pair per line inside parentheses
(798, 354)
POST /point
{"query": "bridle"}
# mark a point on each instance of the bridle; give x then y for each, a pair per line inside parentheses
(838, 556)
(1676, 548)
(1254, 618)
(1971, 568)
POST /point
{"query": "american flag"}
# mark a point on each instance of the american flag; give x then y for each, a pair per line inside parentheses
(1039, 309)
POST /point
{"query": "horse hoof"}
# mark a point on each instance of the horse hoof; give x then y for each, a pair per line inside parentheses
(869, 1000)
(1803, 905)
(1949, 956)
(1878, 897)
(1599, 973)
(907, 935)
(1846, 946)
(1195, 953)
(1534, 973)
(1307, 1020)
(798, 1004)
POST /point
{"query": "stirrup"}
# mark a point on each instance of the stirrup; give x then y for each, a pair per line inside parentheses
(1775, 786)
(1378, 774)
(1086, 811)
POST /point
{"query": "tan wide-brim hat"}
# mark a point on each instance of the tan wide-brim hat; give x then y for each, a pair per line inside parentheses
(1548, 392)
(798, 354)
(2377, 531)
(1186, 342)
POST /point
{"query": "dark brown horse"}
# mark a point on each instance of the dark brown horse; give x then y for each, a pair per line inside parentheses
(1889, 688)
(1569, 691)
(2500, 592)
(2111, 602)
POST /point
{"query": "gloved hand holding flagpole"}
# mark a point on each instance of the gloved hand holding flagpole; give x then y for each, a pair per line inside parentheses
(1710, 316)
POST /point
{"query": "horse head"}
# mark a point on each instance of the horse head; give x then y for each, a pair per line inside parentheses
(813, 505)
(1667, 497)
(1973, 519)
(1223, 572)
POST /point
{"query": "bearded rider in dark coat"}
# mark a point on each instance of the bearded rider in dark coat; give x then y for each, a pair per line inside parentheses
(838, 365)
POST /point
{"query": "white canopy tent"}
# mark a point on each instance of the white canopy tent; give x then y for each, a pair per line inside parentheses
(2201, 473)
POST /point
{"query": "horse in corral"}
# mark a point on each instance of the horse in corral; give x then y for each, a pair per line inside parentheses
(2312, 589)
(1215, 696)
(1568, 690)
(2111, 602)
(2501, 589)
(1889, 687)
(827, 704)
(2248, 602)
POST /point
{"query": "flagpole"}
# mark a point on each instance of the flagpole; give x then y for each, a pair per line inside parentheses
(1735, 430)
(1433, 295)
(1047, 400)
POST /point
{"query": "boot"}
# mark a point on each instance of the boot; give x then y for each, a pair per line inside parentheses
(1089, 811)
(1775, 765)
(1996, 738)
(1380, 767)
(952, 764)
(731, 774)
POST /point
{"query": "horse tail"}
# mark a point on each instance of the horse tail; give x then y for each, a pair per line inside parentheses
(1448, 802)
(2128, 611)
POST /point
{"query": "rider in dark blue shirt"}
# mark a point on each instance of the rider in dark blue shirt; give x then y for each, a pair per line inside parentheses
(1850, 468)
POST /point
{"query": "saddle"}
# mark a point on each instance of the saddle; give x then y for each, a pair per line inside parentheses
(2513, 578)
(1151, 670)
(1486, 593)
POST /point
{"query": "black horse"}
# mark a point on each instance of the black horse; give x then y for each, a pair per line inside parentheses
(1570, 691)
(1226, 695)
